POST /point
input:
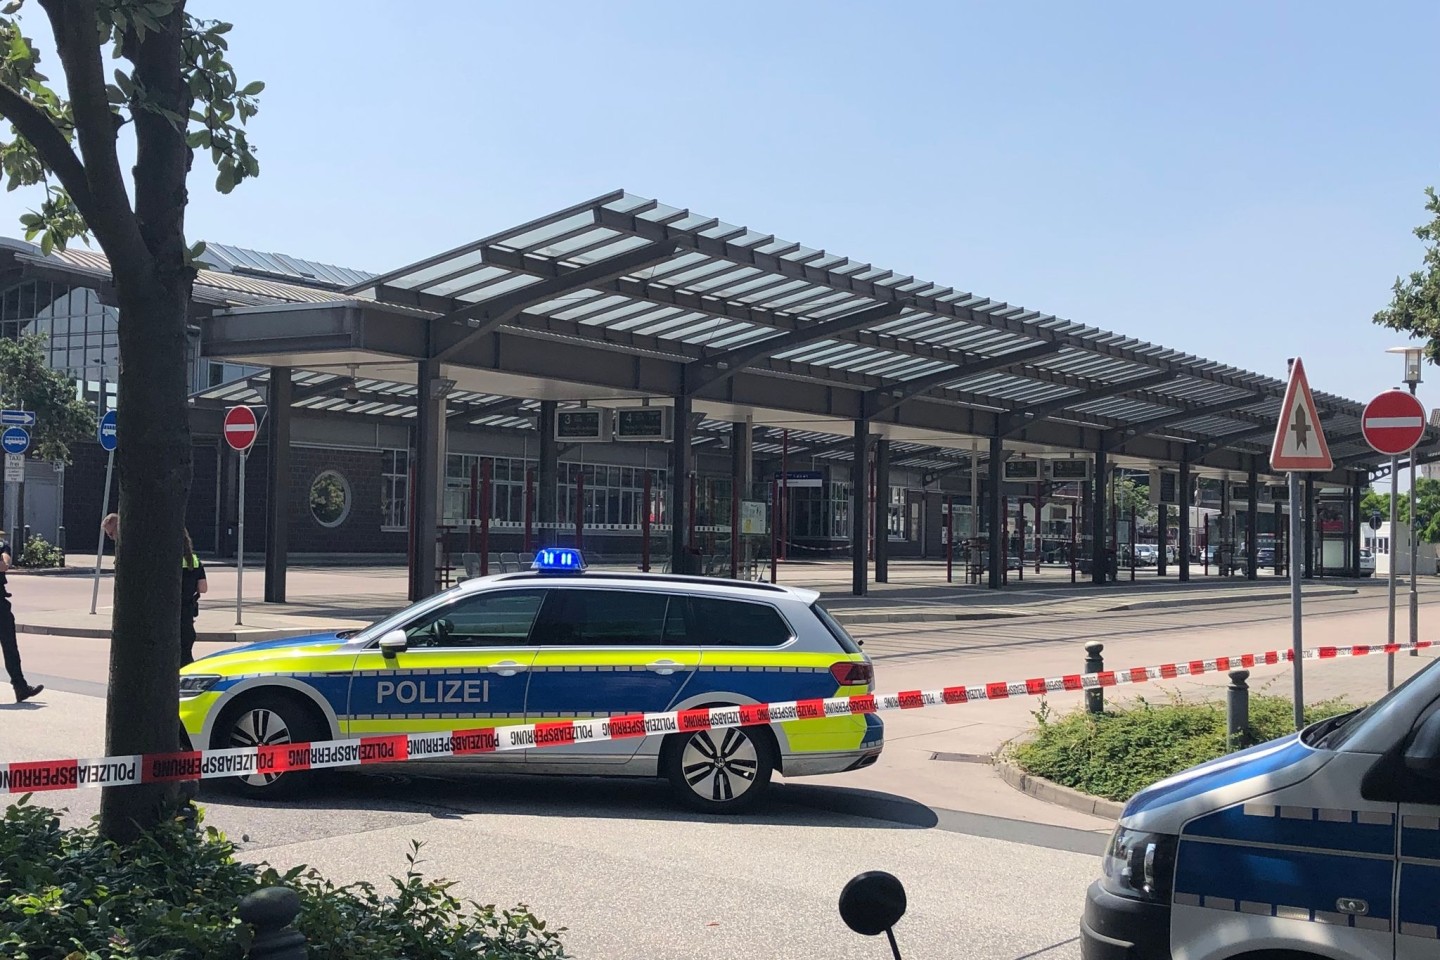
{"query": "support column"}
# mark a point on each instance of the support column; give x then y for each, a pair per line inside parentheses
(429, 475)
(1099, 555)
(995, 513)
(1252, 523)
(1309, 527)
(1357, 493)
(679, 505)
(277, 483)
(547, 478)
(1162, 524)
(1184, 485)
(742, 471)
(882, 510)
(859, 509)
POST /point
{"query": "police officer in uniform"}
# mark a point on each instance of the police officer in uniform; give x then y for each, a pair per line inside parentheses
(192, 584)
(9, 643)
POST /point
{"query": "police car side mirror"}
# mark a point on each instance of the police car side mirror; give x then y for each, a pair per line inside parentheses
(393, 643)
(1422, 755)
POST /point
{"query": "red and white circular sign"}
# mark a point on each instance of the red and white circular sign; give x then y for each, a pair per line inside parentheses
(241, 428)
(1393, 422)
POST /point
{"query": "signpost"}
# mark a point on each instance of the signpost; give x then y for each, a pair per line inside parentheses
(797, 479)
(1393, 423)
(15, 440)
(1299, 447)
(108, 437)
(241, 431)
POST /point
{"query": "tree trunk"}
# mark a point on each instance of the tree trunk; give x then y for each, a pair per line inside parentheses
(154, 460)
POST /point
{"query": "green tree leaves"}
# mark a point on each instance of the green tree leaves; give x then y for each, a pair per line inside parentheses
(61, 417)
(1427, 508)
(1415, 302)
(216, 123)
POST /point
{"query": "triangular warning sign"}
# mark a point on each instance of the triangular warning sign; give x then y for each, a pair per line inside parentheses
(1299, 442)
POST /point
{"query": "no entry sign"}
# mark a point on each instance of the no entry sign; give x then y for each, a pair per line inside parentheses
(1393, 422)
(241, 428)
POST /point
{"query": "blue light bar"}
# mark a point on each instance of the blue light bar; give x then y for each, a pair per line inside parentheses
(559, 560)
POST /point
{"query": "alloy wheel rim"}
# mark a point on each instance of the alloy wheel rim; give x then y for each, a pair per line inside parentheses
(721, 771)
(259, 728)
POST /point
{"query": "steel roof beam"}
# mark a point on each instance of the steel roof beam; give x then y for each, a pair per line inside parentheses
(463, 326)
(1025, 416)
(306, 391)
(969, 309)
(1146, 427)
(884, 400)
(704, 373)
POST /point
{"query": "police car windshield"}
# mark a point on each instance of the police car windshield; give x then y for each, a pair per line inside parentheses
(401, 617)
(1422, 686)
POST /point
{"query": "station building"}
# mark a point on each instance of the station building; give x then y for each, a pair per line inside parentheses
(647, 382)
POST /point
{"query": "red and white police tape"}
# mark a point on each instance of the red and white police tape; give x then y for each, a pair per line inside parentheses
(40, 775)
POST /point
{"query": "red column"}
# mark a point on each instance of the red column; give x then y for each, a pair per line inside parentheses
(472, 513)
(485, 500)
(645, 527)
(1039, 540)
(774, 525)
(580, 510)
(1074, 522)
(529, 511)
(734, 530)
(949, 539)
(782, 506)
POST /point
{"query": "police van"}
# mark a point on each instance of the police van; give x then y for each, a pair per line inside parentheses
(560, 643)
(1322, 844)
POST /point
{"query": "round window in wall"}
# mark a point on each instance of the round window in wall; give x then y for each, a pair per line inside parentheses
(330, 499)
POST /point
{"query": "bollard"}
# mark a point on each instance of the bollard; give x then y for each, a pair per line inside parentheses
(1237, 710)
(270, 912)
(1094, 663)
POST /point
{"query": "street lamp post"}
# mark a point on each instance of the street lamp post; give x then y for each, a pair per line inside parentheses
(1413, 358)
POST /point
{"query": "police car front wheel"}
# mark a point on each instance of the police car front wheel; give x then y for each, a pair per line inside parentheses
(721, 771)
(264, 720)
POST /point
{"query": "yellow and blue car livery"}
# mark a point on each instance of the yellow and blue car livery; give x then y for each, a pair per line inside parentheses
(1322, 844)
(541, 647)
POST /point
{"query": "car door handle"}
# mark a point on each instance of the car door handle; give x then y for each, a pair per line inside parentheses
(507, 668)
(665, 667)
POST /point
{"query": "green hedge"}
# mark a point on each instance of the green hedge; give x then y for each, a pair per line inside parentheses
(1117, 753)
(67, 895)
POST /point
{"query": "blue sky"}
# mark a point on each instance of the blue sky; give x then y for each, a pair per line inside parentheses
(1235, 179)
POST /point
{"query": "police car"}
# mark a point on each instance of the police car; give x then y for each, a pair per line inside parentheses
(552, 644)
(1323, 844)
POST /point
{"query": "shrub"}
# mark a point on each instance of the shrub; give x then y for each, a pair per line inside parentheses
(40, 554)
(65, 894)
(1123, 750)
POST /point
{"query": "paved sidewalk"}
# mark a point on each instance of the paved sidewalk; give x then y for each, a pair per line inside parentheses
(340, 598)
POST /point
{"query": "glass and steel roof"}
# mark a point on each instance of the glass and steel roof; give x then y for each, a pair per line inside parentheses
(696, 289)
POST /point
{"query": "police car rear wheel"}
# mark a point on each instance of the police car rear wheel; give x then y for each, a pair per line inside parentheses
(721, 771)
(264, 720)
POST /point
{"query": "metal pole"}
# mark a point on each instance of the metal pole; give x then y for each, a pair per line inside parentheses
(530, 508)
(240, 545)
(1414, 562)
(1394, 521)
(474, 511)
(774, 527)
(1297, 644)
(100, 547)
(734, 529)
(949, 539)
(580, 509)
(486, 499)
(1074, 519)
(645, 527)
(782, 506)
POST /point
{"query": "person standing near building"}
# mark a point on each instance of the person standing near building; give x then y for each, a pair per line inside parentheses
(192, 584)
(9, 642)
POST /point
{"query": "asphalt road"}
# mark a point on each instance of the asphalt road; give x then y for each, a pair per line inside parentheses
(991, 873)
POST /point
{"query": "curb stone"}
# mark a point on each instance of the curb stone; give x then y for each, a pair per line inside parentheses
(1050, 792)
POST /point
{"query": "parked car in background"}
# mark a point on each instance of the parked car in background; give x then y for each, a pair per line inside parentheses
(1367, 563)
(1146, 555)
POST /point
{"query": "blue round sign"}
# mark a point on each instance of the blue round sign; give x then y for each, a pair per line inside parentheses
(15, 440)
(107, 430)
